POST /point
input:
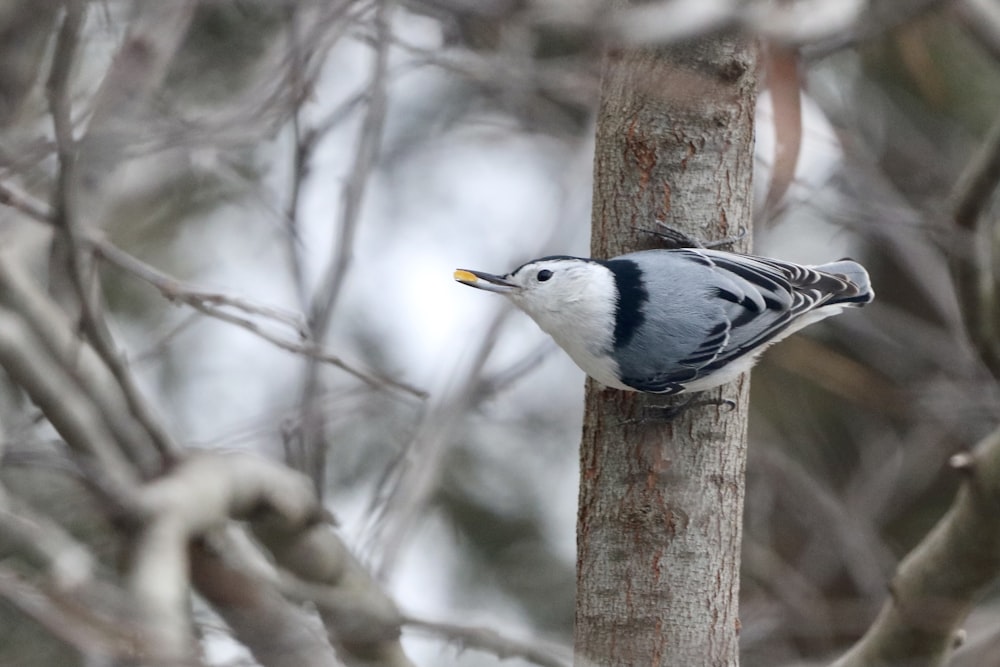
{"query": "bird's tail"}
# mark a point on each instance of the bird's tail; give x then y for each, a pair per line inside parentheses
(856, 275)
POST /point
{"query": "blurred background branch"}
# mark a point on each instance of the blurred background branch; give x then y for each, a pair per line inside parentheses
(938, 582)
(303, 177)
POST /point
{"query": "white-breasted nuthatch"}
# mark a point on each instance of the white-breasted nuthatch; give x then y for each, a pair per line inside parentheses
(670, 321)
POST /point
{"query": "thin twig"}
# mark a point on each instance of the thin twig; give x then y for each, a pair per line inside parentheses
(204, 301)
(69, 232)
(369, 142)
(491, 641)
(324, 302)
(162, 342)
(575, 85)
(412, 477)
(979, 180)
(488, 386)
(974, 251)
(301, 154)
(312, 351)
(88, 635)
(53, 340)
(120, 105)
(25, 203)
(72, 414)
(262, 109)
(57, 92)
(68, 563)
(175, 290)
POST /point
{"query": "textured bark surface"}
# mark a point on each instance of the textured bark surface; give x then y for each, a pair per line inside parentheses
(661, 501)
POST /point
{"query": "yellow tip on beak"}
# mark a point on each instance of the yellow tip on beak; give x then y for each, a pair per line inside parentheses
(485, 281)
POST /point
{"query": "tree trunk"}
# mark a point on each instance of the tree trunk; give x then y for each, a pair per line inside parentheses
(661, 501)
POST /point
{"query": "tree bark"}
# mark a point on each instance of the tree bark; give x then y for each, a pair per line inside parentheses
(661, 501)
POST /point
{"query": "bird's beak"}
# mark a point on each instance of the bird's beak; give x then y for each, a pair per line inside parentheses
(485, 281)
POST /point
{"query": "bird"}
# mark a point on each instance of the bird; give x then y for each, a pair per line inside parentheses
(673, 321)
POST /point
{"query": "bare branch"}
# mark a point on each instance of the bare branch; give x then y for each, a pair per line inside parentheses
(49, 342)
(201, 493)
(304, 56)
(137, 70)
(204, 301)
(47, 382)
(162, 341)
(361, 620)
(573, 84)
(71, 625)
(974, 253)
(25, 203)
(68, 562)
(981, 18)
(57, 92)
(175, 290)
(783, 77)
(936, 584)
(69, 240)
(488, 386)
(301, 154)
(312, 458)
(410, 483)
(369, 142)
(361, 611)
(277, 633)
(491, 641)
(65, 244)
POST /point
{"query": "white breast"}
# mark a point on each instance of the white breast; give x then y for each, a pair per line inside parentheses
(581, 319)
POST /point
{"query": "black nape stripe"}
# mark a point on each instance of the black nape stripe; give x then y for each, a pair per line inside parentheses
(632, 298)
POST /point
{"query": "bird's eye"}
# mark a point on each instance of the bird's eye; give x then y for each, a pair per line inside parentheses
(544, 275)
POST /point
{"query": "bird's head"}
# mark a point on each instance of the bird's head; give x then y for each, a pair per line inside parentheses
(550, 284)
(572, 299)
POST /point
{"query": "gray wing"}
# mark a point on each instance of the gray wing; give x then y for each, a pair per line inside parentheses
(714, 307)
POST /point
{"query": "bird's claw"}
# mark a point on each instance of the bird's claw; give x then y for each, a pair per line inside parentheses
(668, 413)
(675, 238)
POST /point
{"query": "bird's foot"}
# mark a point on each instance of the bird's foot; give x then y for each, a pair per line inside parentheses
(675, 238)
(668, 413)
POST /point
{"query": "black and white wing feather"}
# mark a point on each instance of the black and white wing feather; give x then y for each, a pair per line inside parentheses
(723, 307)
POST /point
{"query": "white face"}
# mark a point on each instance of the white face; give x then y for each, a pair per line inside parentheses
(559, 285)
(573, 300)
(549, 285)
